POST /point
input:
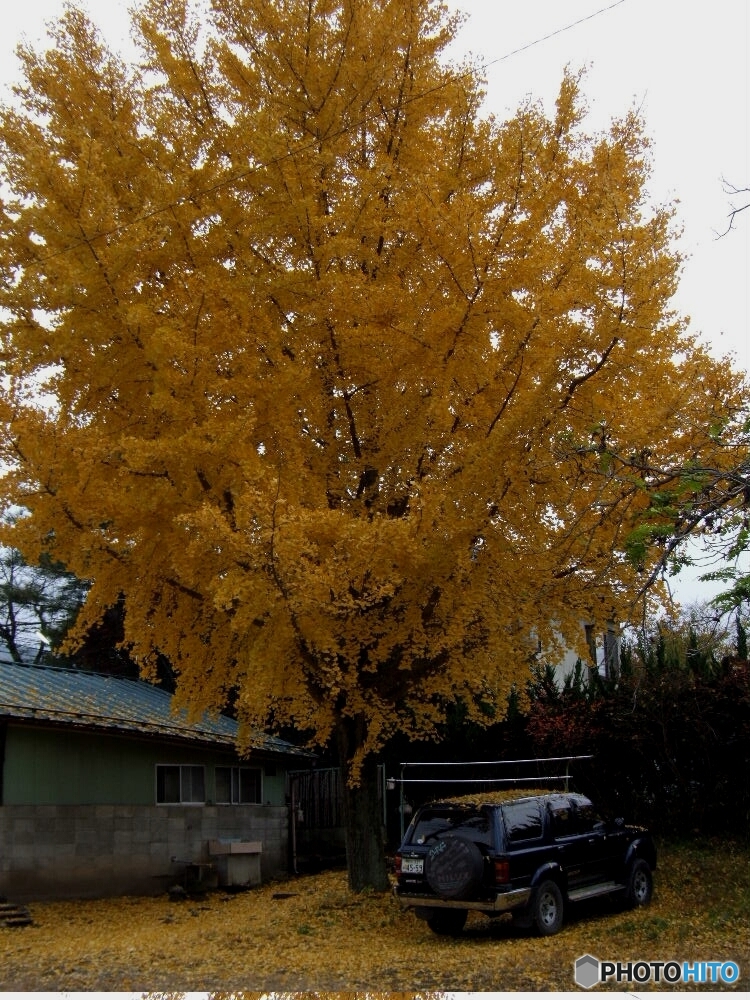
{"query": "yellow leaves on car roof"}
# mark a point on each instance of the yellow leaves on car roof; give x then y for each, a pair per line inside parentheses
(497, 796)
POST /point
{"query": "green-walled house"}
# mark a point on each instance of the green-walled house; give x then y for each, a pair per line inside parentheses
(104, 790)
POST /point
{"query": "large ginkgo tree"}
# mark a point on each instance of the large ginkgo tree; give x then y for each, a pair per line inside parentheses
(316, 368)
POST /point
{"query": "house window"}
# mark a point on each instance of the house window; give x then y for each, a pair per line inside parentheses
(237, 785)
(180, 783)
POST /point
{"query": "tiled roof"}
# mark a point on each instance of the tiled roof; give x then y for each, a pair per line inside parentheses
(102, 701)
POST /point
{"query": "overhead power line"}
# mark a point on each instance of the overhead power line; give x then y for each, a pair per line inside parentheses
(553, 34)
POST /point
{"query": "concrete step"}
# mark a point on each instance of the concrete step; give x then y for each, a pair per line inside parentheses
(14, 915)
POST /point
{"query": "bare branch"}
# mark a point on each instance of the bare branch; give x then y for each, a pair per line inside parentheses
(730, 189)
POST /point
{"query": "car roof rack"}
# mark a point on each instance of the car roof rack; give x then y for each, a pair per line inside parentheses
(482, 783)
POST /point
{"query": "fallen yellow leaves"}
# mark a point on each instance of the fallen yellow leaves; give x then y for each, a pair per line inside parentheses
(311, 933)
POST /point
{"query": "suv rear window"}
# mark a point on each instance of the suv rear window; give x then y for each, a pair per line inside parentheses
(523, 820)
(428, 824)
(476, 826)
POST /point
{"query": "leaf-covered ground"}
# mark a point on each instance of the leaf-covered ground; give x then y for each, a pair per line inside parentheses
(311, 933)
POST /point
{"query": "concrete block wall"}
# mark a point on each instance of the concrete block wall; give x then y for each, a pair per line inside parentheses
(64, 851)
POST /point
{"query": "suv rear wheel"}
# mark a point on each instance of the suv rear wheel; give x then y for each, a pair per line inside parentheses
(547, 914)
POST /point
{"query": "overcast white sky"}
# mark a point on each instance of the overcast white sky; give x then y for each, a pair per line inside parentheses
(685, 65)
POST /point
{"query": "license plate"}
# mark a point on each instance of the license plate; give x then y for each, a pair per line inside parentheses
(412, 866)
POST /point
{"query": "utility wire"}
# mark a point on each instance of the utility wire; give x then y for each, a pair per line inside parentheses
(553, 34)
(237, 178)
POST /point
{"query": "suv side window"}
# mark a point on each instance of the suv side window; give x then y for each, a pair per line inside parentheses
(523, 820)
(587, 817)
(562, 818)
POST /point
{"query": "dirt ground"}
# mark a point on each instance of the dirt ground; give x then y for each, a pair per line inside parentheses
(310, 933)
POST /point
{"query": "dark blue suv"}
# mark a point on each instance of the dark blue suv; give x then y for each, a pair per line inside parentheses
(528, 854)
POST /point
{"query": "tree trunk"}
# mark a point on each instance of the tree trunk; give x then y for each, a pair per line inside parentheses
(363, 818)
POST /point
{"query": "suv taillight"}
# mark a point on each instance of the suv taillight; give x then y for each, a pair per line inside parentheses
(502, 870)
(397, 863)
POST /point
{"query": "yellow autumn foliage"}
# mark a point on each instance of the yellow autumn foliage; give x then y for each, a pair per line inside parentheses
(299, 351)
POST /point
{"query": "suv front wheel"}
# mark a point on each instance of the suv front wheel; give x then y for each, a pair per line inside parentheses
(640, 884)
(547, 914)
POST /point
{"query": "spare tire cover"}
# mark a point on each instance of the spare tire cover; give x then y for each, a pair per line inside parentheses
(454, 867)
